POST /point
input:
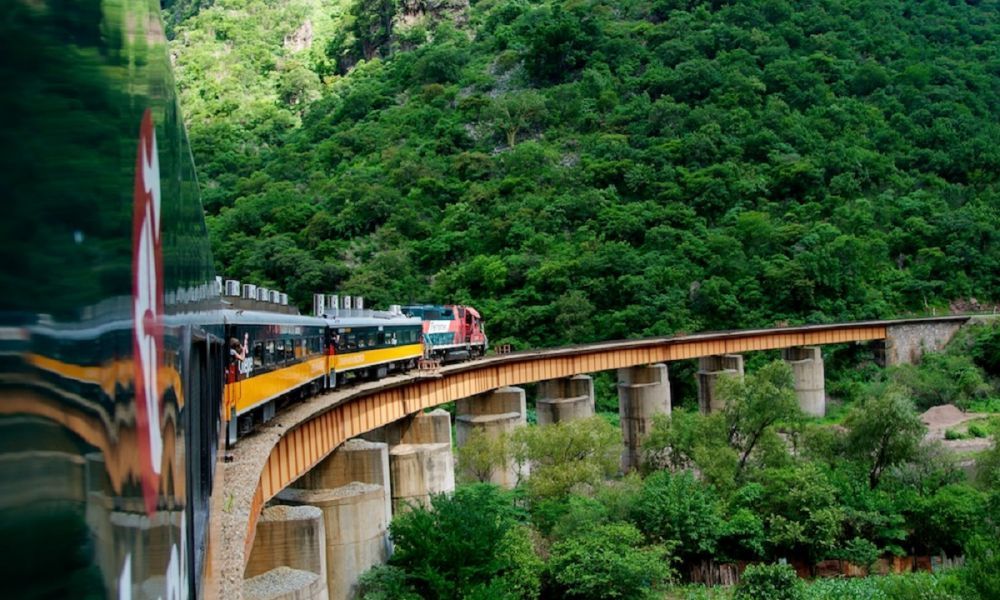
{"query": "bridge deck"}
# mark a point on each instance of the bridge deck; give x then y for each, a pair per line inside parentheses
(297, 439)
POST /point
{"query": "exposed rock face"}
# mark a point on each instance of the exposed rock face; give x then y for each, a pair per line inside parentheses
(429, 12)
(301, 38)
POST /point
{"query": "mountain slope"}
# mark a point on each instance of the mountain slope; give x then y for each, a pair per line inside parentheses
(593, 169)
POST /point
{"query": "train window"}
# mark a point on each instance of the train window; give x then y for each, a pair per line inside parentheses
(315, 344)
(289, 350)
(269, 353)
(380, 337)
(352, 342)
(258, 355)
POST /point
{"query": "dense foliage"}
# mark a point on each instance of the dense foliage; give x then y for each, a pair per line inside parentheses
(598, 169)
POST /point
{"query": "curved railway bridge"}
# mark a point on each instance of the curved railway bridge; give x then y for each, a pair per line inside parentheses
(267, 462)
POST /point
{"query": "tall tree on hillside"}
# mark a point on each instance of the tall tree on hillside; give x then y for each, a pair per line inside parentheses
(372, 25)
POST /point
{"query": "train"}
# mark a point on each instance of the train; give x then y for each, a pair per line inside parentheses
(276, 358)
(126, 365)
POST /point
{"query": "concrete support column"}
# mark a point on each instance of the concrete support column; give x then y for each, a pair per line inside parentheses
(643, 392)
(289, 552)
(810, 385)
(566, 399)
(356, 460)
(355, 527)
(496, 414)
(710, 368)
(420, 458)
(351, 488)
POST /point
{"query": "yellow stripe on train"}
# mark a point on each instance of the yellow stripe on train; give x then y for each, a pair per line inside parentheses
(248, 393)
(367, 358)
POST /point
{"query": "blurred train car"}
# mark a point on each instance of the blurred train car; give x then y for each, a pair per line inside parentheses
(125, 364)
(111, 341)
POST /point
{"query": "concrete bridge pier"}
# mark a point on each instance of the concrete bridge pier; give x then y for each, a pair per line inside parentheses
(420, 458)
(710, 368)
(567, 399)
(351, 488)
(643, 393)
(810, 386)
(496, 414)
(289, 554)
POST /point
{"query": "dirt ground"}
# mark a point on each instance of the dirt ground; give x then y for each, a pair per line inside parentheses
(948, 416)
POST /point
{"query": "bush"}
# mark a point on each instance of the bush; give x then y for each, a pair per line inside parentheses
(979, 430)
(385, 583)
(770, 582)
(954, 434)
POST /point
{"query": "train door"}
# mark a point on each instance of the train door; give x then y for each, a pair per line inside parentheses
(233, 388)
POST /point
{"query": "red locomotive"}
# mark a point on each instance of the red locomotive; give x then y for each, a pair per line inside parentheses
(451, 332)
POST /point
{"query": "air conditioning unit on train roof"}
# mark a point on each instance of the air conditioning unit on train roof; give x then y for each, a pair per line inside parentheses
(347, 303)
(359, 303)
(274, 296)
(249, 291)
(219, 287)
(332, 304)
(319, 305)
(283, 299)
(263, 294)
(232, 287)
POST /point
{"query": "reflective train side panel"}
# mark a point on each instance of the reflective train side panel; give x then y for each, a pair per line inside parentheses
(110, 330)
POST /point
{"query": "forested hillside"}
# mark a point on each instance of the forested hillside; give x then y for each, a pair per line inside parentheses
(593, 169)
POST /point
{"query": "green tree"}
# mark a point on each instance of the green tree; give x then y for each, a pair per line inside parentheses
(483, 454)
(568, 456)
(516, 111)
(884, 431)
(680, 513)
(607, 561)
(463, 541)
(756, 403)
(801, 514)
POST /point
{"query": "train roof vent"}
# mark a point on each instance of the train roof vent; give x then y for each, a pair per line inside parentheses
(332, 304)
(274, 296)
(319, 305)
(249, 291)
(283, 299)
(263, 294)
(232, 287)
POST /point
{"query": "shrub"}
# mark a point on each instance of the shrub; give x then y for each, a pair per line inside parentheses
(770, 582)
(954, 434)
(979, 430)
(384, 582)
